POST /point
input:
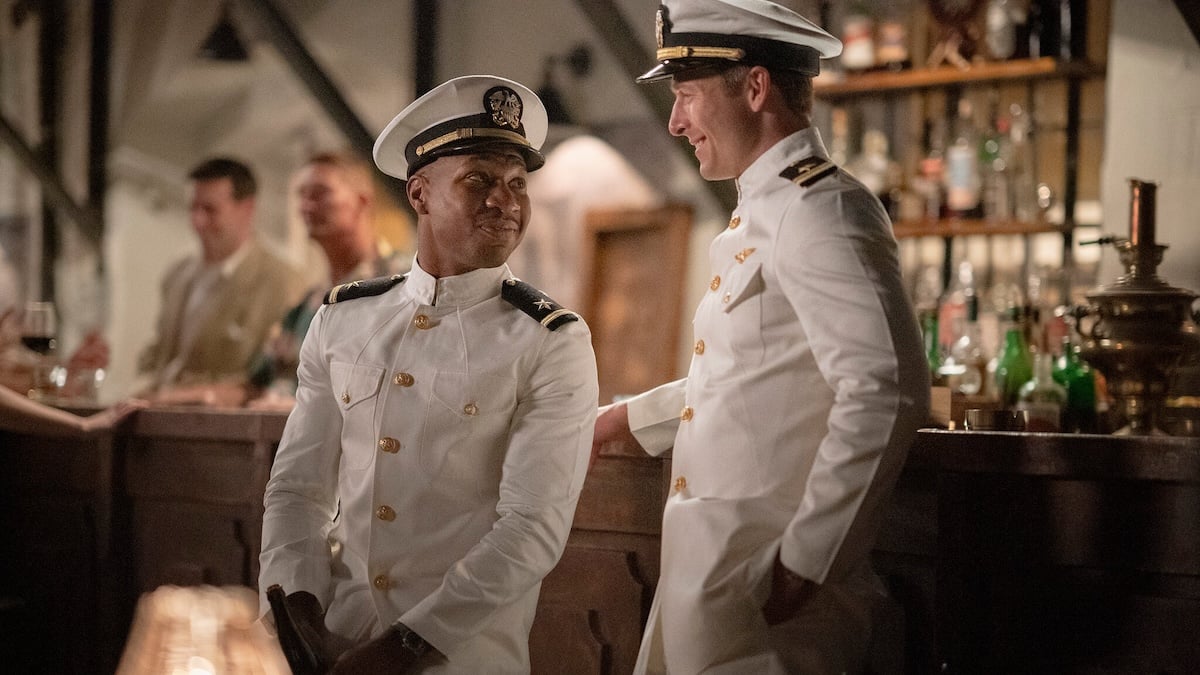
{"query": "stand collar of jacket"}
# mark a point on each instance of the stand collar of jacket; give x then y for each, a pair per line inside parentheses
(763, 173)
(463, 289)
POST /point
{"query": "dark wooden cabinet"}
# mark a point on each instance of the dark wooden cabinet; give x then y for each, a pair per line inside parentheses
(194, 484)
(61, 600)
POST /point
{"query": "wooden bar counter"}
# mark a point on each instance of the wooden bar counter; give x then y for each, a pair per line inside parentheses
(175, 497)
(1003, 552)
(1047, 553)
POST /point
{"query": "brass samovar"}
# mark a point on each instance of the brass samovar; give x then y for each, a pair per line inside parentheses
(1142, 326)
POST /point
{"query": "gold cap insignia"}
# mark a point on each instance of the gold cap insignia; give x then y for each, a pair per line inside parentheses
(504, 105)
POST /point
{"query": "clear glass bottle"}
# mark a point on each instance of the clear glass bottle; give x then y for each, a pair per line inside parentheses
(1073, 373)
(963, 182)
(952, 310)
(1022, 177)
(1042, 399)
(930, 182)
(966, 365)
(1014, 364)
(995, 153)
(1000, 34)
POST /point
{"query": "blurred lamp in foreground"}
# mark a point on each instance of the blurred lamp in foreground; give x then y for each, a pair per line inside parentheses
(200, 630)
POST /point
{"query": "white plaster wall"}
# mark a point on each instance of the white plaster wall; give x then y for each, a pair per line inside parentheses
(1153, 132)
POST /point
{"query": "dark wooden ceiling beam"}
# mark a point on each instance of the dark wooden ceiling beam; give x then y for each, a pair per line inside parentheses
(287, 41)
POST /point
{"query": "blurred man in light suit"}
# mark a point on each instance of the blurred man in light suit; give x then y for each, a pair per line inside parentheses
(217, 308)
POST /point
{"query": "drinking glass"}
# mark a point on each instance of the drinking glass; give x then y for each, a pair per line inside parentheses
(39, 333)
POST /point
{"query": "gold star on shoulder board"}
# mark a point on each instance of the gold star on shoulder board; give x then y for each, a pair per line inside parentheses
(543, 304)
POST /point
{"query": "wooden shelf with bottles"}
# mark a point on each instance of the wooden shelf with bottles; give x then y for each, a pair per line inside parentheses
(873, 83)
(964, 227)
(892, 84)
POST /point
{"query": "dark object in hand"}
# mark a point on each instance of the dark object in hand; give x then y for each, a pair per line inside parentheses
(299, 645)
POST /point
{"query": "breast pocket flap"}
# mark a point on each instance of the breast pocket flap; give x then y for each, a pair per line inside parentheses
(745, 283)
(354, 383)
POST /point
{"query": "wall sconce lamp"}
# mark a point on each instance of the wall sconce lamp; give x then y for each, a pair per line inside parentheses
(223, 43)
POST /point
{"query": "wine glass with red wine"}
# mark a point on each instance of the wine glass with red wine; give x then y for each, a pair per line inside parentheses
(39, 327)
(39, 332)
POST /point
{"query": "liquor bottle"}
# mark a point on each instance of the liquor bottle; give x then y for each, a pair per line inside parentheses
(966, 365)
(1022, 176)
(933, 350)
(929, 182)
(1000, 34)
(301, 654)
(1073, 373)
(891, 44)
(952, 309)
(1042, 399)
(995, 153)
(1014, 365)
(875, 168)
(962, 165)
(839, 144)
(858, 39)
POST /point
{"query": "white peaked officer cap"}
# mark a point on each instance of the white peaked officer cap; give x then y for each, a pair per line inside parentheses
(696, 34)
(465, 115)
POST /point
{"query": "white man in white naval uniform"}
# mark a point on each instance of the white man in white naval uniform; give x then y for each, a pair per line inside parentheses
(807, 382)
(427, 477)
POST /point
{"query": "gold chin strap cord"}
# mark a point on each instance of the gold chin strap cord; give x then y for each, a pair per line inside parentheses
(460, 134)
(731, 53)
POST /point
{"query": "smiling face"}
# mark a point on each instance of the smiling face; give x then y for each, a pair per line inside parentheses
(472, 211)
(714, 117)
(221, 221)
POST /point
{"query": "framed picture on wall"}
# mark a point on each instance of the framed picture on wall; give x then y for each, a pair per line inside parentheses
(634, 262)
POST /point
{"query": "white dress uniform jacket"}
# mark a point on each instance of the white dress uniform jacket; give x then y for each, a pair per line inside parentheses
(430, 469)
(806, 388)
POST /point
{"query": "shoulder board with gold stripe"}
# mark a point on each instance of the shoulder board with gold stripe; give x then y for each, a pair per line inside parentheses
(362, 289)
(808, 171)
(535, 303)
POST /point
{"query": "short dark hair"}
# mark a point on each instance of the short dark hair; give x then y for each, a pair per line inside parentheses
(238, 174)
(795, 87)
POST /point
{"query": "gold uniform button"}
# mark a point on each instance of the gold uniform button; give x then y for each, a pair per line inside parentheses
(381, 582)
(422, 322)
(385, 513)
(727, 298)
(715, 283)
(680, 484)
(686, 415)
(345, 397)
(403, 379)
(699, 347)
(734, 222)
(389, 444)
(470, 409)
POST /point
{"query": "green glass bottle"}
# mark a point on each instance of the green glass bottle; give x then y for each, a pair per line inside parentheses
(1042, 399)
(1073, 373)
(1014, 367)
(933, 349)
